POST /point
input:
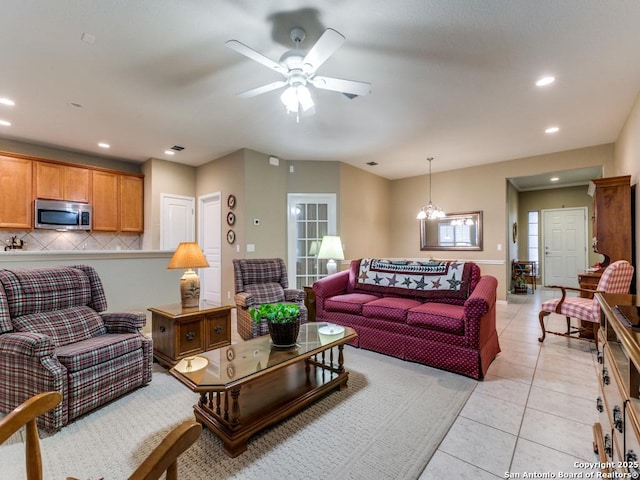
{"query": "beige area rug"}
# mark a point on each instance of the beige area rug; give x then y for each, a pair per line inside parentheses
(386, 425)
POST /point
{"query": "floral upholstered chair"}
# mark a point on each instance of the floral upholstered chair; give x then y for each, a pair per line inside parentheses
(259, 281)
(56, 335)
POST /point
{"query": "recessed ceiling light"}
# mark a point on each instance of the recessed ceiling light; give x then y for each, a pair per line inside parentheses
(554, 179)
(552, 130)
(7, 101)
(544, 81)
(169, 152)
(5, 123)
(104, 145)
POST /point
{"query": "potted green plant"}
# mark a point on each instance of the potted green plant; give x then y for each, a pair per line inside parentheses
(282, 320)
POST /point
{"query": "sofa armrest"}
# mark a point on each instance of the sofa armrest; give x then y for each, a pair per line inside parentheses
(294, 295)
(26, 344)
(244, 299)
(335, 284)
(480, 311)
(124, 322)
(330, 286)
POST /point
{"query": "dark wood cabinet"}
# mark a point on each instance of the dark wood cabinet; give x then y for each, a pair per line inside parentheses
(181, 332)
(612, 218)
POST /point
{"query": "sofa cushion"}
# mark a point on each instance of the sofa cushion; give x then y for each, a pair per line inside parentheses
(270, 292)
(438, 316)
(94, 351)
(64, 326)
(348, 303)
(389, 308)
(412, 278)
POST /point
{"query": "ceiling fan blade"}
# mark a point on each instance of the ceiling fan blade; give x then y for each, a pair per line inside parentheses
(327, 44)
(351, 87)
(263, 89)
(254, 55)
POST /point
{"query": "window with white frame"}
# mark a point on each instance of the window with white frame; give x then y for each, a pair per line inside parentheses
(532, 235)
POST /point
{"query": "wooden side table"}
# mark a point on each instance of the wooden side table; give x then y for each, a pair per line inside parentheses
(310, 303)
(181, 332)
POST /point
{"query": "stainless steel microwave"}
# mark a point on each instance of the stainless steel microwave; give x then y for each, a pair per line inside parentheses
(61, 215)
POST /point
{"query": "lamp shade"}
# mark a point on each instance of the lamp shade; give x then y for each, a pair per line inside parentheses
(331, 247)
(188, 255)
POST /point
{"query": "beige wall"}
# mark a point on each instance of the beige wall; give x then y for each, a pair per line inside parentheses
(627, 162)
(364, 210)
(265, 191)
(480, 188)
(226, 175)
(162, 177)
(51, 153)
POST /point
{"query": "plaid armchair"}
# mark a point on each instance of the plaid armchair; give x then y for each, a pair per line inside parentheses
(259, 281)
(55, 335)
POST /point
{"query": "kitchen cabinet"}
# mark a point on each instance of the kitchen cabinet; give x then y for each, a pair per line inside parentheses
(105, 201)
(16, 192)
(117, 202)
(131, 204)
(62, 182)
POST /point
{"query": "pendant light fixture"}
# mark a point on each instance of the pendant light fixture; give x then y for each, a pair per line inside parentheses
(430, 211)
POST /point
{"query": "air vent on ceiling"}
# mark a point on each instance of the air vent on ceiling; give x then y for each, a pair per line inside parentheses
(177, 148)
(372, 164)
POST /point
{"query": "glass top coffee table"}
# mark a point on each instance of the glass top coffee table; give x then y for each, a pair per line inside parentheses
(246, 387)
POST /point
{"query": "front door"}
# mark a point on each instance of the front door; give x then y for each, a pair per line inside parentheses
(565, 245)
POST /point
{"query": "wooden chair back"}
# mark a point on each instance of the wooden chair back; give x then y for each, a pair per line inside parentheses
(25, 415)
(164, 458)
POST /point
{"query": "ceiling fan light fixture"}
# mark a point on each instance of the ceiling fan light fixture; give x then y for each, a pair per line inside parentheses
(304, 97)
(289, 99)
(295, 96)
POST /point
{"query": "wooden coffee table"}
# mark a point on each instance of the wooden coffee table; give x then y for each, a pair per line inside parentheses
(248, 386)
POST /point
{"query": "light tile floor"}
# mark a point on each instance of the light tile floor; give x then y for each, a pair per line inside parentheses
(534, 411)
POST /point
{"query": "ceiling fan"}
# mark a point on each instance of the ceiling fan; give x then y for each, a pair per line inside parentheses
(299, 70)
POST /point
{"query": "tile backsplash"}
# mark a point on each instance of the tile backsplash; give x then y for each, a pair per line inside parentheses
(52, 240)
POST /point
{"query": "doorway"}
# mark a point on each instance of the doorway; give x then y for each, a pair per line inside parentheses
(176, 220)
(209, 238)
(564, 240)
(310, 217)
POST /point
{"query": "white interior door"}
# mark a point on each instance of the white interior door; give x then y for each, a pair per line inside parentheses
(210, 239)
(565, 245)
(177, 220)
(311, 216)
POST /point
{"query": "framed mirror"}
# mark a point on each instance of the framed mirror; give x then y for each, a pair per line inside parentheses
(455, 231)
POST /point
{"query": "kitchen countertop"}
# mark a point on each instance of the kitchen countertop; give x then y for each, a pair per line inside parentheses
(24, 255)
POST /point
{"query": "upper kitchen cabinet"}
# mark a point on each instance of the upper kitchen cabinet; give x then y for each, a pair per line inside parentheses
(16, 192)
(131, 204)
(117, 202)
(62, 182)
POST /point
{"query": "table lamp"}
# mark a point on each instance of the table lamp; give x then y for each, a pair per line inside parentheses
(189, 255)
(331, 249)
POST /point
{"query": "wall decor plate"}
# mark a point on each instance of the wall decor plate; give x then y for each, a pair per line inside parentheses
(231, 201)
(231, 218)
(231, 236)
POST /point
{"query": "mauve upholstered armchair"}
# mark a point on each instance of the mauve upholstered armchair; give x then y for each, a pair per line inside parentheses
(259, 281)
(56, 335)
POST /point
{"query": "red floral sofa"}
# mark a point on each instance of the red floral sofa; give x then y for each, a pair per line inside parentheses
(438, 313)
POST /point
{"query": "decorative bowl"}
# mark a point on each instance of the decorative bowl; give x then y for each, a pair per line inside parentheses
(330, 333)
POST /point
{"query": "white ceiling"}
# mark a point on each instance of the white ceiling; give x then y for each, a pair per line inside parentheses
(450, 79)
